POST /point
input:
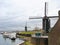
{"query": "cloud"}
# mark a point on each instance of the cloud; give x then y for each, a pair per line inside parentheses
(15, 13)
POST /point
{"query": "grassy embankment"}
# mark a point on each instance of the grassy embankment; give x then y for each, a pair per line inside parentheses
(28, 39)
(25, 33)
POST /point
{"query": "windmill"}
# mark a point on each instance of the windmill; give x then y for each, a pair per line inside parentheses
(26, 27)
(46, 20)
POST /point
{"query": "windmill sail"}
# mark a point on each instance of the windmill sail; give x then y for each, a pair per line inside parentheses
(46, 20)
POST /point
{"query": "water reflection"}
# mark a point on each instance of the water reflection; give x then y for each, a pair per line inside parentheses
(7, 41)
(13, 41)
(4, 38)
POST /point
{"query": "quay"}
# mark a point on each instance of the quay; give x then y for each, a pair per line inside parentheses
(40, 40)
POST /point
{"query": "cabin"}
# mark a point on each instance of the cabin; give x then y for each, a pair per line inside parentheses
(54, 34)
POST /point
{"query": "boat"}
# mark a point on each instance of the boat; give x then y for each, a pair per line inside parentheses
(6, 35)
(2, 32)
(12, 36)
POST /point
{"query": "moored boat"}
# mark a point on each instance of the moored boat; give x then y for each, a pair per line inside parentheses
(6, 35)
(12, 36)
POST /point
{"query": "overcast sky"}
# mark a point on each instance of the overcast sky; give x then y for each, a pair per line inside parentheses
(15, 13)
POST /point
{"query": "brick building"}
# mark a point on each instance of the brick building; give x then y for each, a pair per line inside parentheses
(54, 34)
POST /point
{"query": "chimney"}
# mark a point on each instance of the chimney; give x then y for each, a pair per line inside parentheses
(59, 14)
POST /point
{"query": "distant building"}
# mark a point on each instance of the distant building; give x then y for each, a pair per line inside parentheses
(54, 34)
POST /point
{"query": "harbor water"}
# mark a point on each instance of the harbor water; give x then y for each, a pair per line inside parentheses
(7, 41)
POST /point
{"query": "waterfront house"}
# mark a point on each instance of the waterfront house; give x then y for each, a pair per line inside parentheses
(54, 34)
